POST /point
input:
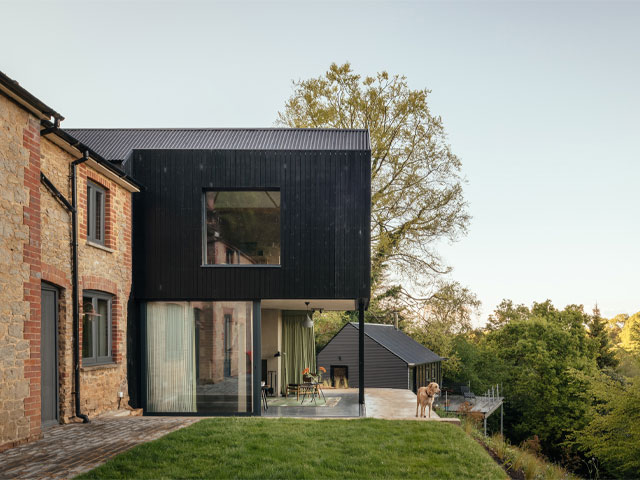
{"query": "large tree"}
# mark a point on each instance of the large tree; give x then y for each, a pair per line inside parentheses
(544, 361)
(445, 316)
(417, 198)
(605, 355)
(613, 434)
(507, 312)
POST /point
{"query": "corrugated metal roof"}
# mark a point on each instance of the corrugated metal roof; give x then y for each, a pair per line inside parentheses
(117, 143)
(399, 343)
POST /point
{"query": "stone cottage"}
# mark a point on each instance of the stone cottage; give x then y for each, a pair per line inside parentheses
(40, 358)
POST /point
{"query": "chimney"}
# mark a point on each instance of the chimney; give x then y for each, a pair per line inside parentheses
(395, 321)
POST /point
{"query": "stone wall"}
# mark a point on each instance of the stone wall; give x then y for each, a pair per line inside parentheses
(19, 276)
(104, 268)
(35, 246)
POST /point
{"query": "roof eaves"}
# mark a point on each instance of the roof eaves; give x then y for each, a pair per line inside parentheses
(13, 90)
(50, 128)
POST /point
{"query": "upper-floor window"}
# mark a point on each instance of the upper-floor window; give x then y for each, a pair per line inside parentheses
(95, 213)
(96, 327)
(242, 227)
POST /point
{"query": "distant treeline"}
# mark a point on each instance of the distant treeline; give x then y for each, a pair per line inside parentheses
(570, 378)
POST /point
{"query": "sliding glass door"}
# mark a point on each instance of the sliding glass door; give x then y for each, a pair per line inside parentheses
(198, 357)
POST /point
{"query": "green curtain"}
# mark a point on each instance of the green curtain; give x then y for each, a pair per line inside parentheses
(298, 346)
(171, 372)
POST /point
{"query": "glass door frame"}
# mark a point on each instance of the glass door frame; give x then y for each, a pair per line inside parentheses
(256, 361)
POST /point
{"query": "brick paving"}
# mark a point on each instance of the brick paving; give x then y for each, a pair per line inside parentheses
(69, 450)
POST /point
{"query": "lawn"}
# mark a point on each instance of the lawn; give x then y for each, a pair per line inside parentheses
(297, 448)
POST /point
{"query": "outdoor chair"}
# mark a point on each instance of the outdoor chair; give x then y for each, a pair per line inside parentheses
(467, 393)
(293, 388)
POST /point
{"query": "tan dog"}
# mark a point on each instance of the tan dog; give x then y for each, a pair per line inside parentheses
(425, 397)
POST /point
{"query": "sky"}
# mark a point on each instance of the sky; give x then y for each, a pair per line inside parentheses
(540, 100)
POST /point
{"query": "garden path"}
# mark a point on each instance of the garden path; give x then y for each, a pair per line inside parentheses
(68, 450)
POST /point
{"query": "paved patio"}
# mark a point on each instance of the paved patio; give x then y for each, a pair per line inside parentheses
(396, 404)
(346, 407)
(68, 450)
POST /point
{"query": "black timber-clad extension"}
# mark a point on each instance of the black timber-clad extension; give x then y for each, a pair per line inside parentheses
(319, 183)
(324, 178)
(391, 358)
(325, 211)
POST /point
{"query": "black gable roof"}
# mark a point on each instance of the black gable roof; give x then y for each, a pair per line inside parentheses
(115, 144)
(399, 343)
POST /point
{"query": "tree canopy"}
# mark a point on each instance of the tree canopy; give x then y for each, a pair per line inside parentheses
(417, 197)
(542, 357)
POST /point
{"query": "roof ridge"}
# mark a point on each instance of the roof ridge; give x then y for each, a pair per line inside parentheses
(397, 344)
(372, 323)
(117, 143)
(208, 129)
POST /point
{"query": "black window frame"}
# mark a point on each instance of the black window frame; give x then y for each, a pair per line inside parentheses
(96, 295)
(92, 189)
(203, 227)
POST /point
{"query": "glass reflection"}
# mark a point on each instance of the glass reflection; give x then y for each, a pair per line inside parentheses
(243, 228)
(199, 357)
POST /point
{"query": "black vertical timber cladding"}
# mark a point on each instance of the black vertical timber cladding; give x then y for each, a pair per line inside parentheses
(325, 224)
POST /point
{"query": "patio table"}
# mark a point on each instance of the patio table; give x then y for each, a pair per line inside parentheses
(313, 389)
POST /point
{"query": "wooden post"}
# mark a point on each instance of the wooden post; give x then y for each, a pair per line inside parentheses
(501, 417)
(485, 425)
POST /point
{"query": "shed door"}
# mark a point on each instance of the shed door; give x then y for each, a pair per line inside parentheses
(49, 356)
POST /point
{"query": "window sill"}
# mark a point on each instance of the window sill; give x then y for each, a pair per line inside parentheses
(100, 366)
(99, 247)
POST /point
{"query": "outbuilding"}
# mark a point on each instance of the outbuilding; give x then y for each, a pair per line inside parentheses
(392, 359)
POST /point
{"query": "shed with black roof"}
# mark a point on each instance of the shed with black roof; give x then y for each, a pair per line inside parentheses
(392, 359)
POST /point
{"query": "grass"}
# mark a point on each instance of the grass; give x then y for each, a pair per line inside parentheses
(518, 461)
(309, 449)
(530, 464)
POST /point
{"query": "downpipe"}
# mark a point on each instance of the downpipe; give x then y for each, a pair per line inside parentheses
(75, 296)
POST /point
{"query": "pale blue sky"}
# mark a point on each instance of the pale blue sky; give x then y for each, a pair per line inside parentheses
(541, 101)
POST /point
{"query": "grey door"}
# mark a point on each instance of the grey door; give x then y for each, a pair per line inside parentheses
(49, 356)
